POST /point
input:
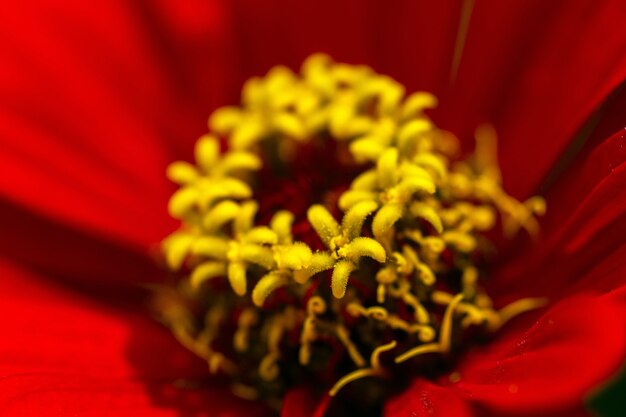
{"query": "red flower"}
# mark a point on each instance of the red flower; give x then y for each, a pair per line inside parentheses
(97, 101)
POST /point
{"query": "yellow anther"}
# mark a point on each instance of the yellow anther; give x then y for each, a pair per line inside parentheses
(234, 162)
(182, 201)
(425, 274)
(290, 125)
(324, 223)
(352, 197)
(237, 277)
(384, 220)
(366, 181)
(367, 148)
(432, 163)
(363, 246)
(261, 235)
(409, 169)
(210, 246)
(250, 131)
(316, 62)
(225, 119)
(207, 152)
(210, 191)
(182, 173)
(427, 213)
(320, 261)
(295, 256)
(281, 225)
(245, 219)
(422, 201)
(206, 271)
(177, 246)
(257, 254)
(219, 215)
(463, 242)
(352, 223)
(387, 168)
(412, 185)
(266, 285)
(416, 103)
(433, 245)
(341, 274)
(409, 133)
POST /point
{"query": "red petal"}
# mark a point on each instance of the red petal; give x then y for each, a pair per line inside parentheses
(92, 112)
(74, 256)
(584, 226)
(423, 398)
(301, 402)
(537, 70)
(574, 346)
(579, 411)
(411, 41)
(66, 354)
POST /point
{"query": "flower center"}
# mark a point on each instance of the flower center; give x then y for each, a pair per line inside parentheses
(281, 283)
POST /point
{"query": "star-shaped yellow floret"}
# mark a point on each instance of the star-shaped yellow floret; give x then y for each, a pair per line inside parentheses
(281, 103)
(219, 254)
(398, 187)
(345, 243)
(214, 178)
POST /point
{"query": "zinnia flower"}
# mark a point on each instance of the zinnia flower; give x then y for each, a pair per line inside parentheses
(97, 101)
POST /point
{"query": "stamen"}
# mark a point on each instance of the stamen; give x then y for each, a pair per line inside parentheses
(400, 248)
(419, 350)
(344, 337)
(352, 376)
(375, 369)
(315, 307)
(446, 324)
(244, 391)
(241, 339)
(518, 307)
